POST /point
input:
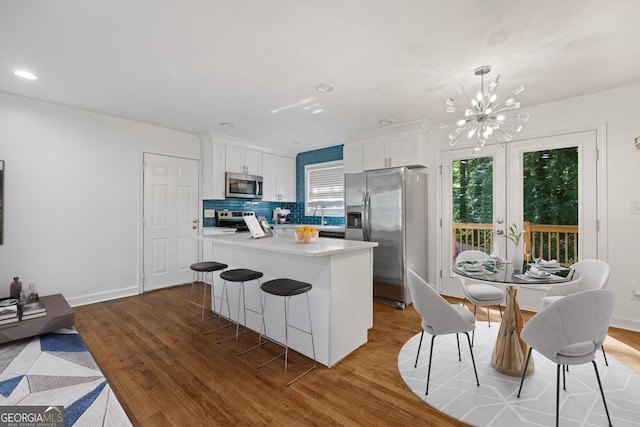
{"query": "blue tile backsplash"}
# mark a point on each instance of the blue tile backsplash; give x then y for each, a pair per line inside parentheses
(297, 209)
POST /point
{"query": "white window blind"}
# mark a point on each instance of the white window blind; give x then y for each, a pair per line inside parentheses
(324, 184)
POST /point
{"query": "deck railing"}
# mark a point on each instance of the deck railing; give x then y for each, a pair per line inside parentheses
(558, 242)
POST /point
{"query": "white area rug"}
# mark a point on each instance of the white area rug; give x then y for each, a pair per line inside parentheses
(453, 388)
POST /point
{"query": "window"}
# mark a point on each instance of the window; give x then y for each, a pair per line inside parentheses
(324, 188)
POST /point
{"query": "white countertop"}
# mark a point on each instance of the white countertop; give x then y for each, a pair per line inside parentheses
(207, 231)
(285, 242)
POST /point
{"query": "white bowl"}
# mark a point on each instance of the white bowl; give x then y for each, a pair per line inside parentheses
(314, 236)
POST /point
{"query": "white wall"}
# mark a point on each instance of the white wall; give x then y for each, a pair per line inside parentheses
(619, 111)
(72, 198)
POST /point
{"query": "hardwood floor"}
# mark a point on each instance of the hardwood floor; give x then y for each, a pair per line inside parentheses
(166, 373)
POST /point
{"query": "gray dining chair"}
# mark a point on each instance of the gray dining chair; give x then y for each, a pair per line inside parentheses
(594, 274)
(480, 294)
(569, 332)
(439, 318)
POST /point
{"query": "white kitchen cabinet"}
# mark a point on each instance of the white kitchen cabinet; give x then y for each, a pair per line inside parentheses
(375, 153)
(390, 151)
(242, 160)
(213, 168)
(279, 178)
(352, 157)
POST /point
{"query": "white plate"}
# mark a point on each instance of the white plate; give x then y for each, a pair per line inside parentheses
(538, 276)
(491, 261)
(476, 272)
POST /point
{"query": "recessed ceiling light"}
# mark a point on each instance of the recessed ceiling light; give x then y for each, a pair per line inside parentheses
(325, 87)
(226, 125)
(320, 110)
(295, 142)
(25, 74)
(386, 122)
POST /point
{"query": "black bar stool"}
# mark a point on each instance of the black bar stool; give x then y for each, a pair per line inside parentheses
(200, 272)
(288, 288)
(239, 275)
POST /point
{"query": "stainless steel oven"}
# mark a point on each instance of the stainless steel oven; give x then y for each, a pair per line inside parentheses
(243, 186)
(233, 219)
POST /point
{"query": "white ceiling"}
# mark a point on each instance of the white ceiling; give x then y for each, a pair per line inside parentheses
(193, 64)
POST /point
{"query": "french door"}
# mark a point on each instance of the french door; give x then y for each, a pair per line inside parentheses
(170, 220)
(544, 186)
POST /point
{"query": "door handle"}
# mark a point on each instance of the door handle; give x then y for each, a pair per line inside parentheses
(499, 232)
(195, 227)
(195, 220)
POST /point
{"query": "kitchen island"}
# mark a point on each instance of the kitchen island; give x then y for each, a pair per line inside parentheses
(340, 271)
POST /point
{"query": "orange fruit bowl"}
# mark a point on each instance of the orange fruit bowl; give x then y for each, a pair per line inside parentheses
(306, 234)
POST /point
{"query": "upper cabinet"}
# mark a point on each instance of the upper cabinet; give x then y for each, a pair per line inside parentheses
(222, 154)
(279, 178)
(352, 157)
(242, 160)
(394, 151)
(404, 145)
(213, 164)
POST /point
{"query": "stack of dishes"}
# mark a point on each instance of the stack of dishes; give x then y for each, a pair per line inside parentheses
(476, 268)
(537, 273)
(494, 260)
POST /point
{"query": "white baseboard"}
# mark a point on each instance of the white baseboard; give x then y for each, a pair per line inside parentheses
(625, 323)
(102, 296)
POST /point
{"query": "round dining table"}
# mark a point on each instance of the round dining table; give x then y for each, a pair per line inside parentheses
(510, 350)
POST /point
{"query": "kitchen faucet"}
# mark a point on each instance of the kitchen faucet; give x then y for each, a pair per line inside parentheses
(322, 220)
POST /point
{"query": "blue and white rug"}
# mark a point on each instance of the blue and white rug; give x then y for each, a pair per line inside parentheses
(56, 369)
(453, 388)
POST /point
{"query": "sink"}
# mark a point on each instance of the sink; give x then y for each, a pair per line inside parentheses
(329, 227)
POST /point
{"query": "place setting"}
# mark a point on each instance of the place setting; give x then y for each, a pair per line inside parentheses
(543, 270)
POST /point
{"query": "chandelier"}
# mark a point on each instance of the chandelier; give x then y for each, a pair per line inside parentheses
(486, 118)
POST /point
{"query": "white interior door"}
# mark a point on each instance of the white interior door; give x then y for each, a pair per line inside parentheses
(516, 172)
(170, 220)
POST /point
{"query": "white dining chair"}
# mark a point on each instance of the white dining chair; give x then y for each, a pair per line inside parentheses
(439, 318)
(594, 274)
(480, 294)
(569, 332)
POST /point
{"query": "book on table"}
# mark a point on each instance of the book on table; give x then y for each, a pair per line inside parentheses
(8, 312)
(34, 315)
(8, 308)
(9, 320)
(258, 226)
(32, 308)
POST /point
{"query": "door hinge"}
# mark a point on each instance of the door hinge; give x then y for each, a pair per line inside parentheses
(597, 154)
(143, 222)
(441, 274)
(440, 169)
(597, 225)
(143, 278)
(440, 222)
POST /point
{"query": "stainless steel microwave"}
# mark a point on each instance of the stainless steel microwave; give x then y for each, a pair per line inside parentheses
(243, 186)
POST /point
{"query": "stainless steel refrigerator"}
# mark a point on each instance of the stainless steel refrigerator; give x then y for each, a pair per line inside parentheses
(389, 206)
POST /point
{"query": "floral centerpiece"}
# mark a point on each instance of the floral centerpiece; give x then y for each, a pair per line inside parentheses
(515, 235)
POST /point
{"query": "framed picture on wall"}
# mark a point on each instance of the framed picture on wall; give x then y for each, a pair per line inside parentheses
(1, 202)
